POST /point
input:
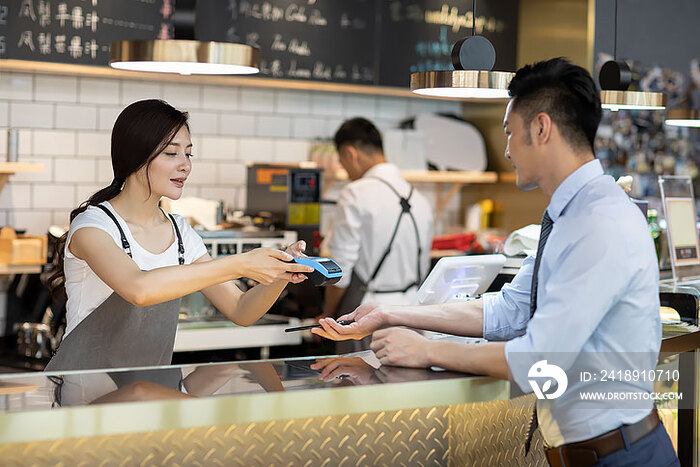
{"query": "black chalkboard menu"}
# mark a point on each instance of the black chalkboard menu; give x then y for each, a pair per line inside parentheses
(77, 31)
(347, 41)
(419, 35)
(323, 40)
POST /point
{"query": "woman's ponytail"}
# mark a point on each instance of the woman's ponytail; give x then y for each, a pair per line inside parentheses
(57, 279)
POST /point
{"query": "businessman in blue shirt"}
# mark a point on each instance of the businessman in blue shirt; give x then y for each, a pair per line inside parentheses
(589, 299)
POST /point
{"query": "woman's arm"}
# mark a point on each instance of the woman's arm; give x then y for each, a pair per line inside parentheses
(246, 308)
(242, 308)
(142, 288)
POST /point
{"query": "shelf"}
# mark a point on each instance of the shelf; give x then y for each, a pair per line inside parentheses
(7, 269)
(507, 177)
(10, 168)
(92, 71)
(424, 176)
(14, 167)
(455, 179)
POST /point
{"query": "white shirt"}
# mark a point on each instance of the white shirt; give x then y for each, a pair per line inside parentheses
(364, 219)
(85, 290)
(597, 308)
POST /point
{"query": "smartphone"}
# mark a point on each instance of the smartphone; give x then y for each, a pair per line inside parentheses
(311, 326)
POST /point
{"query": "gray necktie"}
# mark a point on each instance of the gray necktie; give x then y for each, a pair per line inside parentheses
(547, 224)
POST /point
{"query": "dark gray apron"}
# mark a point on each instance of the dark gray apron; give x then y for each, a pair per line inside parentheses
(118, 334)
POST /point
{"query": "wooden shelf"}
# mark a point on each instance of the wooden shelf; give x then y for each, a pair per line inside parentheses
(19, 269)
(455, 179)
(425, 176)
(92, 71)
(14, 167)
(506, 177)
(10, 168)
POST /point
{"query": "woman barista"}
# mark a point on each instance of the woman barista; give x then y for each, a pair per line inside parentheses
(126, 262)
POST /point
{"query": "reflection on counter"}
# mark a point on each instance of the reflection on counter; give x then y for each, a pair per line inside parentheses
(320, 410)
(43, 391)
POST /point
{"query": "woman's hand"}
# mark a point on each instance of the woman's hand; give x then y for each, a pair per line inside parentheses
(297, 250)
(267, 265)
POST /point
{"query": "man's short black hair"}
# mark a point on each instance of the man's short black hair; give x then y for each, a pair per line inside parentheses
(360, 133)
(565, 92)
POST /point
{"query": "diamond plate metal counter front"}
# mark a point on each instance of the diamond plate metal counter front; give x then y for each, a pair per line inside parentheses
(493, 434)
(404, 437)
(469, 434)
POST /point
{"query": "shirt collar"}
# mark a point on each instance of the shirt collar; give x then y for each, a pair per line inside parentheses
(383, 168)
(566, 191)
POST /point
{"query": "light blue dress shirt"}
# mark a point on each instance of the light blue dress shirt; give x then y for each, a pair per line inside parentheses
(597, 298)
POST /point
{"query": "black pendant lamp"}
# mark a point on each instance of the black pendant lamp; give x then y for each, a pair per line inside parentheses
(615, 78)
(184, 54)
(473, 59)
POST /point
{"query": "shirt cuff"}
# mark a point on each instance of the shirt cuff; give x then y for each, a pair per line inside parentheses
(492, 328)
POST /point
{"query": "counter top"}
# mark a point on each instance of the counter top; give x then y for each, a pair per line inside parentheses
(243, 392)
(84, 403)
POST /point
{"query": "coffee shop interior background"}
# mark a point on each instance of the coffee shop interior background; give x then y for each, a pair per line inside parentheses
(63, 116)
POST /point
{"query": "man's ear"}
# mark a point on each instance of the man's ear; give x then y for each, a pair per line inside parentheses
(353, 154)
(541, 128)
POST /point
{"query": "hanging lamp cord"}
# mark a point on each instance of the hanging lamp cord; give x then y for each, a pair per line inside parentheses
(615, 35)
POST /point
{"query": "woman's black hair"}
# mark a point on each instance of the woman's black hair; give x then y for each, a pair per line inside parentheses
(142, 131)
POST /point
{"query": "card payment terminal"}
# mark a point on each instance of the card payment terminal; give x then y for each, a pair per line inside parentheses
(326, 271)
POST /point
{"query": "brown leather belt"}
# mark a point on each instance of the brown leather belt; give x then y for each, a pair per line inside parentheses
(586, 453)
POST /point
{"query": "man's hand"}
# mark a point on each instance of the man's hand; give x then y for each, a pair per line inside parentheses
(401, 347)
(368, 318)
(355, 368)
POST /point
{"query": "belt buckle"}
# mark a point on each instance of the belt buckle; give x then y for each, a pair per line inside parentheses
(571, 456)
(579, 457)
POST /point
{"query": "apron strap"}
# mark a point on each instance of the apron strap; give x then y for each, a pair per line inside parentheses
(180, 246)
(125, 242)
(405, 209)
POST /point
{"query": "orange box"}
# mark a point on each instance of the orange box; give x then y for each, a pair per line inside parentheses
(21, 249)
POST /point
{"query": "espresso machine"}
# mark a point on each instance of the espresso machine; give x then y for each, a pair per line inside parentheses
(286, 198)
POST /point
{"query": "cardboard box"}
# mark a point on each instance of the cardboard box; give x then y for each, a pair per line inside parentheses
(21, 249)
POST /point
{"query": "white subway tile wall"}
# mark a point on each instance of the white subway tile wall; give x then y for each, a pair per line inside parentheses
(237, 124)
(31, 115)
(93, 144)
(98, 91)
(133, 91)
(55, 88)
(4, 113)
(76, 116)
(16, 86)
(203, 123)
(274, 126)
(65, 123)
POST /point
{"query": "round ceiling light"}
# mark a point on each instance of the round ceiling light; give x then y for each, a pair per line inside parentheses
(186, 57)
(683, 117)
(464, 84)
(632, 100)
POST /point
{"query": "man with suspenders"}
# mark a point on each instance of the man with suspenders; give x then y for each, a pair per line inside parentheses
(382, 227)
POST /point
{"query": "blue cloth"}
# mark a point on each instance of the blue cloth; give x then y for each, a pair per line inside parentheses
(597, 296)
(654, 450)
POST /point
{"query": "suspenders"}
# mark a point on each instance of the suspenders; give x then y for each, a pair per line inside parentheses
(125, 242)
(405, 209)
